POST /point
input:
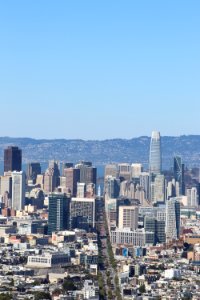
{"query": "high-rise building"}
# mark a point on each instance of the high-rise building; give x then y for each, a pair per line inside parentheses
(111, 170)
(160, 232)
(6, 188)
(72, 178)
(82, 213)
(51, 177)
(88, 173)
(179, 174)
(128, 217)
(33, 169)
(173, 189)
(12, 159)
(112, 187)
(192, 197)
(127, 189)
(159, 189)
(140, 194)
(68, 165)
(136, 170)
(144, 182)
(125, 171)
(18, 190)
(172, 226)
(40, 181)
(81, 190)
(152, 224)
(90, 190)
(59, 212)
(49, 181)
(155, 161)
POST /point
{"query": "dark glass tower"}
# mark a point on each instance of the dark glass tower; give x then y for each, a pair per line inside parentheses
(179, 174)
(33, 169)
(12, 159)
(88, 173)
(59, 206)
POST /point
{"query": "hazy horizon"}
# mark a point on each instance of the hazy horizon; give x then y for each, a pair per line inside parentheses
(87, 140)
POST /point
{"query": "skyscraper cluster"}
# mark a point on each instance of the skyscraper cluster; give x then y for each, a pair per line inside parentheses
(157, 196)
(68, 191)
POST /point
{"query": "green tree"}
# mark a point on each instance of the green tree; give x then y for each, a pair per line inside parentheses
(6, 297)
(68, 285)
(142, 289)
(42, 295)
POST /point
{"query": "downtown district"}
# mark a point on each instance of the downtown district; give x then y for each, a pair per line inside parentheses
(63, 237)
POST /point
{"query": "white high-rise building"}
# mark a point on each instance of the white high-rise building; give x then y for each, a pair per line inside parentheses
(159, 188)
(136, 170)
(81, 190)
(172, 227)
(192, 198)
(18, 190)
(127, 189)
(128, 217)
(172, 189)
(155, 154)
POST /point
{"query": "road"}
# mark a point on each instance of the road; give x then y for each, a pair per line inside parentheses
(107, 272)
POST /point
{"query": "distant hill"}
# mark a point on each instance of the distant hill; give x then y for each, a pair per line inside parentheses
(102, 152)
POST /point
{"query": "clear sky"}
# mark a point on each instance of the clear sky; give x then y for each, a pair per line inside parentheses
(99, 69)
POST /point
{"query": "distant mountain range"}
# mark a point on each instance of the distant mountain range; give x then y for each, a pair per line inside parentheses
(106, 151)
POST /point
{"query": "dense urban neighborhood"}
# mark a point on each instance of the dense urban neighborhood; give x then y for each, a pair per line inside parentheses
(65, 234)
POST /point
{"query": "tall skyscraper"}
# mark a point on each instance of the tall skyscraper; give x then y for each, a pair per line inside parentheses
(112, 187)
(144, 182)
(12, 159)
(88, 173)
(18, 190)
(72, 178)
(159, 189)
(179, 174)
(192, 197)
(155, 161)
(173, 189)
(59, 212)
(6, 188)
(33, 169)
(172, 227)
(51, 177)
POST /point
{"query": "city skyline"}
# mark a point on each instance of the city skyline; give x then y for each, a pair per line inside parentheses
(95, 65)
(99, 150)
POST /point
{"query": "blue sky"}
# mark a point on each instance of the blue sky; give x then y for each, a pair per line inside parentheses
(99, 69)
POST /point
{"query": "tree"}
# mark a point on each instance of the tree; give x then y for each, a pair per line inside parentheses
(42, 295)
(5, 297)
(110, 296)
(56, 292)
(68, 285)
(142, 289)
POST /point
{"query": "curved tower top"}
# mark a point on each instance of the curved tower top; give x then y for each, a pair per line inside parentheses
(155, 161)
